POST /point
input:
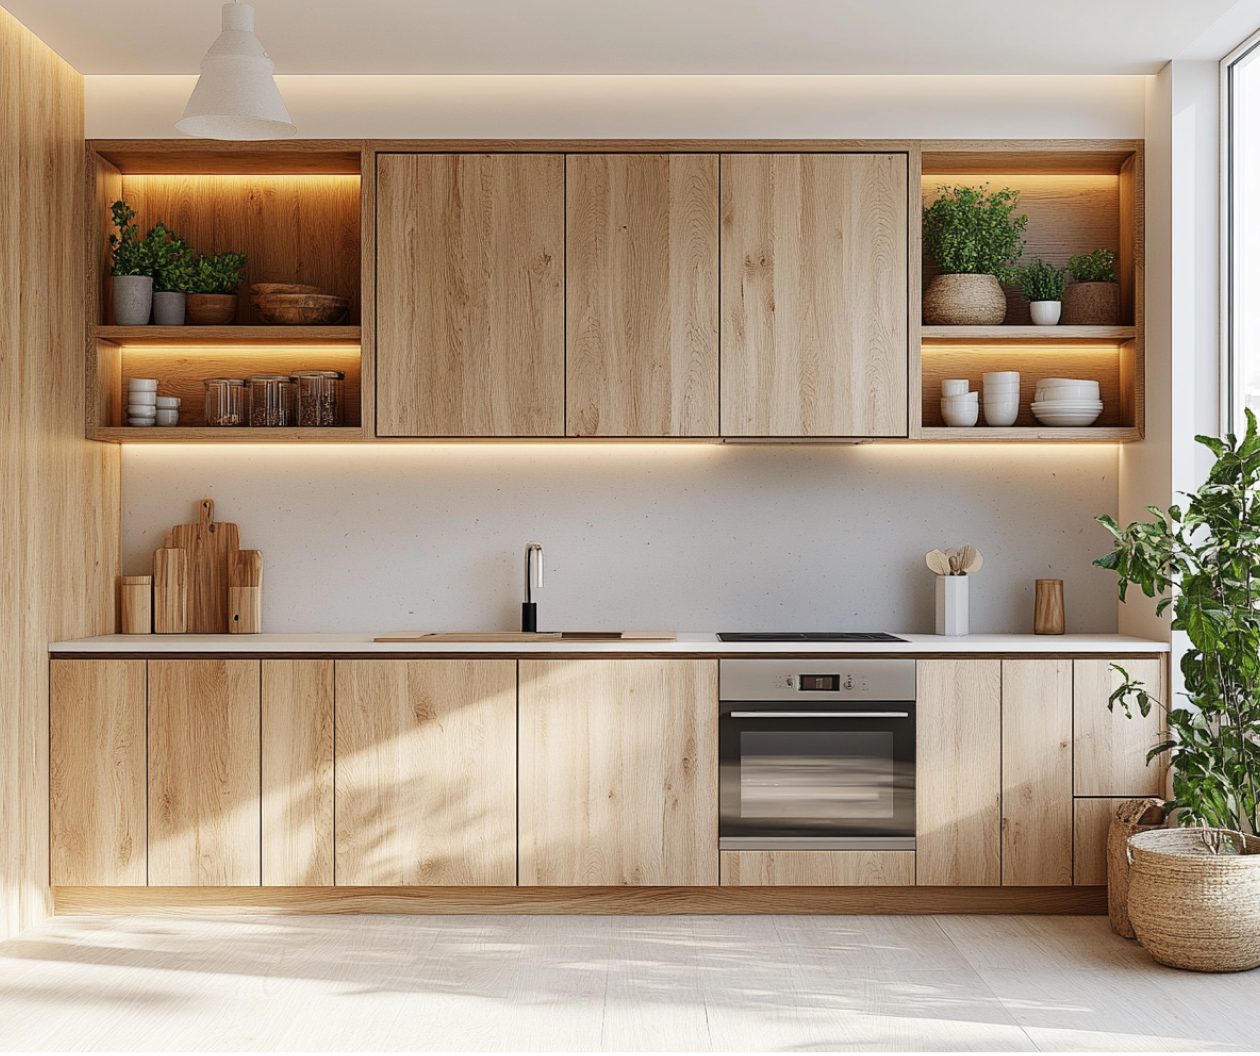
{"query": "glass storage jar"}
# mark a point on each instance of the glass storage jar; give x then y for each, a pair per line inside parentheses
(225, 401)
(271, 400)
(321, 395)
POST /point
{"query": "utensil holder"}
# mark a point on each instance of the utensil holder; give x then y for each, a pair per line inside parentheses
(1048, 612)
(951, 605)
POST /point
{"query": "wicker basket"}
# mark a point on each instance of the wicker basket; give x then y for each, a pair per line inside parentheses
(1193, 909)
(964, 300)
(1091, 304)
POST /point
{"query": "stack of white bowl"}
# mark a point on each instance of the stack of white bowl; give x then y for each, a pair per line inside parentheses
(959, 407)
(141, 401)
(1067, 402)
(168, 410)
(1001, 397)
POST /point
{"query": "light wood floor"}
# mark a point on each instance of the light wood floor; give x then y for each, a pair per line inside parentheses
(607, 983)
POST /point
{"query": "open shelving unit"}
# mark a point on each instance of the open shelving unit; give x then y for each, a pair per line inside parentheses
(298, 211)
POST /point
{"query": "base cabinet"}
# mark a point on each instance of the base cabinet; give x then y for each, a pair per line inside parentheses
(817, 868)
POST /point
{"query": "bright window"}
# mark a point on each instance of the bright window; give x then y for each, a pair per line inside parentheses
(1240, 82)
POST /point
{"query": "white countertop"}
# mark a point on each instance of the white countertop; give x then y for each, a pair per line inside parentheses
(693, 643)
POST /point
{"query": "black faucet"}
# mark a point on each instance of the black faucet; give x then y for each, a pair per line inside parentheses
(533, 581)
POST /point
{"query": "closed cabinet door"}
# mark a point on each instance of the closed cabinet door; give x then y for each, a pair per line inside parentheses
(814, 295)
(97, 767)
(619, 772)
(470, 295)
(426, 772)
(204, 762)
(1110, 748)
(642, 301)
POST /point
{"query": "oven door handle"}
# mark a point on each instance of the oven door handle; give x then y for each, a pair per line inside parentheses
(819, 714)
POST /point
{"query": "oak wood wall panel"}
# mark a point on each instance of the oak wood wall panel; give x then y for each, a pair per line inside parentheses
(204, 804)
(642, 294)
(297, 772)
(97, 765)
(426, 772)
(817, 868)
(959, 772)
(59, 501)
(814, 295)
(618, 772)
(470, 295)
(1110, 749)
(1036, 772)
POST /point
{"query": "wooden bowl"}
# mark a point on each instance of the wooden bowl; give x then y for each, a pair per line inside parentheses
(261, 289)
(300, 309)
(212, 309)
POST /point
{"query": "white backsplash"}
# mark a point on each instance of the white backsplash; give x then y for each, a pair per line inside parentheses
(640, 536)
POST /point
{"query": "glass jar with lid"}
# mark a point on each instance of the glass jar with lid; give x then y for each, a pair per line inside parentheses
(225, 401)
(272, 399)
(320, 397)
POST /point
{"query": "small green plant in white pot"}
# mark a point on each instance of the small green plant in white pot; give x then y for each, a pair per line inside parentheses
(1042, 287)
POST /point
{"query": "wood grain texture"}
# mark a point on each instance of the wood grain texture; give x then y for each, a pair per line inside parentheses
(59, 498)
(1036, 157)
(198, 157)
(97, 764)
(211, 547)
(170, 591)
(1091, 823)
(426, 772)
(651, 901)
(135, 605)
(470, 295)
(1049, 616)
(618, 772)
(959, 772)
(297, 772)
(204, 760)
(641, 267)
(1036, 772)
(817, 868)
(1110, 749)
(814, 303)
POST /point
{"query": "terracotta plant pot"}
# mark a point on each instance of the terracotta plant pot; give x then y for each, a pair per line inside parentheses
(964, 300)
(212, 309)
(133, 299)
(1091, 304)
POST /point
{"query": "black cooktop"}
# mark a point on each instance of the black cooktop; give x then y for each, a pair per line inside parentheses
(808, 636)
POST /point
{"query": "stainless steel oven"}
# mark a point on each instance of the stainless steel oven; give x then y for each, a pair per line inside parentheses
(816, 754)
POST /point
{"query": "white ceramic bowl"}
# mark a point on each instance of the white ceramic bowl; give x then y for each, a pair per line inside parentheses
(1064, 381)
(140, 411)
(998, 377)
(1000, 390)
(1068, 405)
(139, 421)
(1001, 416)
(168, 403)
(138, 397)
(965, 398)
(955, 387)
(1067, 418)
(1068, 392)
(167, 417)
(142, 384)
(961, 417)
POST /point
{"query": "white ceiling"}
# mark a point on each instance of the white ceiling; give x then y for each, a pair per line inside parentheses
(640, 36)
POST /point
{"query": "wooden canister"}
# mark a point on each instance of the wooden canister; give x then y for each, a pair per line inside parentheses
(245, 592)
(1048, 614)
(136, 597)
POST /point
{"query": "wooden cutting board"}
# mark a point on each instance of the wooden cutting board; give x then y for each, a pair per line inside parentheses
(529, 636)
(211, 545)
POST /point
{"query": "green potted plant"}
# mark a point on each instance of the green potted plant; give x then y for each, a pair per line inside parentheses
(1189, 906)
(1093, 298)
(172, 275)
(1042, 287)
(212, 296)
(131, 265)
(973, 235)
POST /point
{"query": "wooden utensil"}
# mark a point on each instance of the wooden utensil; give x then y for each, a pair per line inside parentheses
(938, 562)
(245, 592)
(170, 591)
(975, 564)
(210, 545)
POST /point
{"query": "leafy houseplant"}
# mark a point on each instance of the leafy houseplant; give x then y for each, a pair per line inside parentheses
(1042, 287)
(212, 298)
(131, 259)
(1094, 298)
(973, 235)
(172, 271)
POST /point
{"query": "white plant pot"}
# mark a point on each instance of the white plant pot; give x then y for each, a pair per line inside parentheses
(169, 308)
(133, 299)
(1045, 313)
(951, 605)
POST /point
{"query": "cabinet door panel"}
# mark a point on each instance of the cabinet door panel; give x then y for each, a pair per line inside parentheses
(1036, 772)
(97, 764)
(817, 868)
(470, 295)
(426, 772)
(814, 295)
(642, 293)
(619, 772)
(297, 773)
(204, 804)
(959, 773)
(1092, 825)
(1110, 749)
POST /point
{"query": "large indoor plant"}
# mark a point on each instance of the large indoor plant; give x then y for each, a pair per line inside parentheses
(1189, 907)
(973, 235)
(212, 296)
(1093, 298)
(131, 265)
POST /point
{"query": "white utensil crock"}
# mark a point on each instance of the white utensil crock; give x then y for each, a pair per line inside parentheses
(951, 605)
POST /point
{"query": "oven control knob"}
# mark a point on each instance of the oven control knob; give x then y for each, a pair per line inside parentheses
(848, 682)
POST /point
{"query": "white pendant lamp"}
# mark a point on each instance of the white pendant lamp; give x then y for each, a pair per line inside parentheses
(236, 95)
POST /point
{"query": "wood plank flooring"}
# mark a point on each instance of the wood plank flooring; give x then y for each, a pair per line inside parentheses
(564, 983)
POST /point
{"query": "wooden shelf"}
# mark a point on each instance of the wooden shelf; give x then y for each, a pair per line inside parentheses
(128, 434)
(1032, 335)
(230, 335)
(983, 434)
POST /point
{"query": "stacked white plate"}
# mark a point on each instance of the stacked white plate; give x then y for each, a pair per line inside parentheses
(142, 401)
(1067, 402)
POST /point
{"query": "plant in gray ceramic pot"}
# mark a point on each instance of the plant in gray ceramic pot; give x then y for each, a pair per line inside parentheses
(172, 275)
(131, 268)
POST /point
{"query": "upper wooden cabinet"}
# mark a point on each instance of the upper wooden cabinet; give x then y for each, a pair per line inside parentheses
(642, 302)
(815, 325)
(470, 295)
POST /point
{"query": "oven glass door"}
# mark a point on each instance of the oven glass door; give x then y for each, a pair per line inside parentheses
(789, 772)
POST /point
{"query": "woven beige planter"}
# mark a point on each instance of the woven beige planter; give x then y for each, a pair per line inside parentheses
(964, 300)
(1193, 909)
(1091, 304)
